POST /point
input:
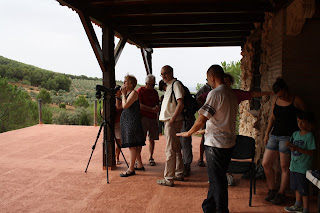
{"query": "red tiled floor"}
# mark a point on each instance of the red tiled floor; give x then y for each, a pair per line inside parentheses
(42, 170)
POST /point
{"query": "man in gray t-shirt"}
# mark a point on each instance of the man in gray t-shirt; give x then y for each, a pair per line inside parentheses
(219, 113)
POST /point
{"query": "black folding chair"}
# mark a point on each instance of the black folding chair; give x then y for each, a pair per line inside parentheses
(242, 160)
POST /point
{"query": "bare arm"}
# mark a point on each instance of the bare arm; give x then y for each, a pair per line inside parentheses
(201, 120)
(177, 111)
(118, 100)
(256, 94)
(149, 109)
(299, 104)
(270, 124)
(295, 148)
(200, 100)
(127, 102)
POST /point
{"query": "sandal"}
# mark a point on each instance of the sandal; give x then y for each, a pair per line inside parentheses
(139, 169)
(127, 174)
(151, 162)
(118, 162)
(201, 163)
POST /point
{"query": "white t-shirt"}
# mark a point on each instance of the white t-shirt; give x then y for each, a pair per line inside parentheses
(169, 105)
(220, 108)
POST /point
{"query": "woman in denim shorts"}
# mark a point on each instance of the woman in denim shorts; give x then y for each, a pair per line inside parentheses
(283, 122)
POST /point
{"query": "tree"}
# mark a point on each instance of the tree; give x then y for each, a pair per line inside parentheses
(44, 95)
(234, 69)
(199, 86)
(50, 84)
(81, 102)
(17, 110)
(63, 82)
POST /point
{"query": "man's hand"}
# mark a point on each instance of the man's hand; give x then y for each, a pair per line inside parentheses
(156, 109)
(183, 134)
(203, 131)
(171, 121)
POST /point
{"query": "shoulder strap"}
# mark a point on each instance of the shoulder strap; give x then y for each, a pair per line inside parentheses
(172, 93)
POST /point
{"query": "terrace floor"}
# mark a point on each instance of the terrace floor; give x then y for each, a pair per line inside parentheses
(42, 170)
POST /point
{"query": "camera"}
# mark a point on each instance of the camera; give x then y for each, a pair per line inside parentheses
(111, 91)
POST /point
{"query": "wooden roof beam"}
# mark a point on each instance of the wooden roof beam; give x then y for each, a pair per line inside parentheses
(186, 28)
(201, 35)
(119, 48)
(86, 22)
(202, 40)
(188, 20)
(213, 44)
(141, 8)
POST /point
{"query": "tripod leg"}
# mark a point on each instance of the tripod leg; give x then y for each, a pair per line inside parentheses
(106, 146)
(94, 146)
(115, 139)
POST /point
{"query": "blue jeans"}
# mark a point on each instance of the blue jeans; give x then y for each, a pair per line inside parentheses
(218, 160)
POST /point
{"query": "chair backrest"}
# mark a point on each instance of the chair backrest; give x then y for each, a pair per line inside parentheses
(245, 148)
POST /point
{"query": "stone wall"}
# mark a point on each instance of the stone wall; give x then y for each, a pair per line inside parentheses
(253, 123)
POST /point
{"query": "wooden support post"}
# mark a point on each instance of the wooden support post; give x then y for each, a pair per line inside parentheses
(105, 57)
(119, 48)
(85, 19)
(109, 81)
(40, 111)
(149, 60)
(146, 56)
(95, 120)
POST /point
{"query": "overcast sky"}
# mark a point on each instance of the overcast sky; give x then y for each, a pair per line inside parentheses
(44, 34)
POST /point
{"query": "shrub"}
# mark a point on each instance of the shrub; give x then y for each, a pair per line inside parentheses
(62, 106)
(81, 102)
(44, 95)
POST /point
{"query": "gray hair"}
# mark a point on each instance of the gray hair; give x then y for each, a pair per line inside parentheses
(150, 77)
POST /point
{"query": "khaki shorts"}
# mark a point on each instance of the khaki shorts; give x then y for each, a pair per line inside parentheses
(150, 127)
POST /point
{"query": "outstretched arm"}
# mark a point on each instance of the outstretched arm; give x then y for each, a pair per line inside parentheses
(201, 120)
(256, 94)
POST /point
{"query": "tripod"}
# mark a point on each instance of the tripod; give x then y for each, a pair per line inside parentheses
(104, 124)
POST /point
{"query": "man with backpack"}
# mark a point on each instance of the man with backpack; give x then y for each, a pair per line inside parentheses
(171, 115)
(190, 108)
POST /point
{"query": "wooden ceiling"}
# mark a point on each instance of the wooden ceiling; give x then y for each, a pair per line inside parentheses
(178, 23)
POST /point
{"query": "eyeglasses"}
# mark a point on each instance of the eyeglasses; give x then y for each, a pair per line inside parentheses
(165, 73)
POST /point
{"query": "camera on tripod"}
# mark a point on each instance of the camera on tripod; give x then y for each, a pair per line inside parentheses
(111, 91)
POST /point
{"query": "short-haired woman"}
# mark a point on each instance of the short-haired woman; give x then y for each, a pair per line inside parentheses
(132, 135)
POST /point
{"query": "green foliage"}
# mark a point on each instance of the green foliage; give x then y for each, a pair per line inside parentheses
(31, 75)
(62, 106)
(17, 110)
(46, 114)
(199, 86)
(44, 95)
(81, 116)
(234, 69)
(81, 102)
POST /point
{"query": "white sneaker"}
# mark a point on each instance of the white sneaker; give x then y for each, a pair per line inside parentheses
(231, 181)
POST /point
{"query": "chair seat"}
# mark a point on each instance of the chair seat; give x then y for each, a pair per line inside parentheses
(239, 167)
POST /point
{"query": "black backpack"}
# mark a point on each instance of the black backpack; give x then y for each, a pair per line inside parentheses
(190, 103)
